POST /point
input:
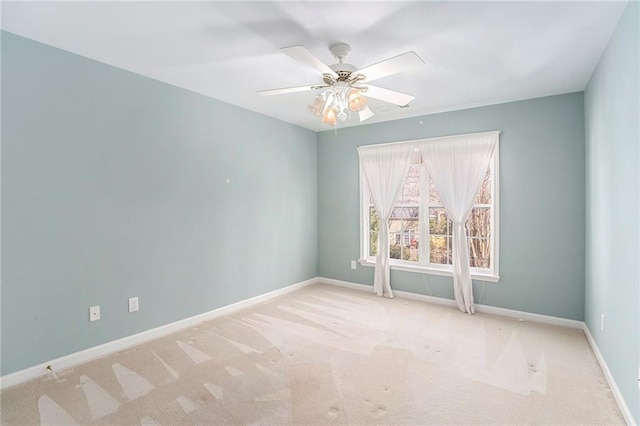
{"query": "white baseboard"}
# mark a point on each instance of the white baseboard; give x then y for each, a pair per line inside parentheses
(510, 313)
(129, 341)
(528, 316)
(136, 339)
(624, 408)
(401, 294)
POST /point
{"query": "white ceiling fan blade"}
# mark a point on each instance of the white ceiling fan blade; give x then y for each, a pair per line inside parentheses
(391, 66)
(301, 54)
(387, 95)
(284, 90)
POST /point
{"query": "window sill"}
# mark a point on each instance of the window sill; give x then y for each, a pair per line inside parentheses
(433, 271)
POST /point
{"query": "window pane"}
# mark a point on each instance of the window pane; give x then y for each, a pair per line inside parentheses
(411, 188)
(479, 222)
(411, 246)
(405, 212)
(434, 198)
(395, 246)
(410, 218)
(484, 196)
(395, 222)
(479, 252)
(439, 223)
(399, 251)
(412, 222)
(374, 224)
(404, 227)
(440, 250)
(403, 218)
(374, 227)
(373, 243)
(411, 212)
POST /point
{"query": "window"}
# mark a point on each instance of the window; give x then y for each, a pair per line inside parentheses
(420, 231)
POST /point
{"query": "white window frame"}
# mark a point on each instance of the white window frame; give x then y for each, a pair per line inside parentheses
(481, 274)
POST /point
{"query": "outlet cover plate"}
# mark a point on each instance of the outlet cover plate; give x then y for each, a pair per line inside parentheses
(133, 304)
(94, 313)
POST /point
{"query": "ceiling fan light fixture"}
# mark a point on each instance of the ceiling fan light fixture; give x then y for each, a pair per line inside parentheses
(357, 101)
(317, 105)
(340, 100)
(330, 116)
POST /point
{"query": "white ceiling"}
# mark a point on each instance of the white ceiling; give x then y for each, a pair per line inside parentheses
(476, 53)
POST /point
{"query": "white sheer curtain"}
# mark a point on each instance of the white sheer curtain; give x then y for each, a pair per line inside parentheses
(457, 166)
(385, 169)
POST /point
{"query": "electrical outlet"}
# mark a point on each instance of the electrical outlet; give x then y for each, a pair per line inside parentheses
(353, 264)
(94, 313)
(602, 322)
(133, 304)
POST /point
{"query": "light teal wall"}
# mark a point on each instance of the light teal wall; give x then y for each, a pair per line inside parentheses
(541, 202)
(612, 116)
(114, 185)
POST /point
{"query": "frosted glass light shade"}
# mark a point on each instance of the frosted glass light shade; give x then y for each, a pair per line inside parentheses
(356, 100)
(329, 116)
(317, 105)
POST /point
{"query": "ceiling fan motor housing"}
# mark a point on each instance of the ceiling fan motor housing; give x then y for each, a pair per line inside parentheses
(340, 51)
(343, 75)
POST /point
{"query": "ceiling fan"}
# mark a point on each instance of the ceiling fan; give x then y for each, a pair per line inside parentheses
(345, 85)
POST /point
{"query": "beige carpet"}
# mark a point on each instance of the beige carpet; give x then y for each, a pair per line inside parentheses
(327, 355)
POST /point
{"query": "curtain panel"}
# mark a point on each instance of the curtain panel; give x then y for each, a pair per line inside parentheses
(385, 169)
(457, 165)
